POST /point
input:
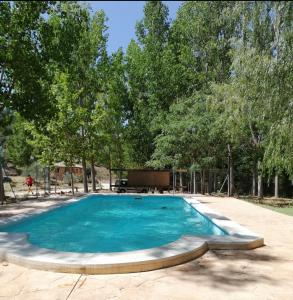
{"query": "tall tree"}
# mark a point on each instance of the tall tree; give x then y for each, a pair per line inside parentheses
(18, 148)
(22, 66)
(251, 102)
(150, 92)
(201, 56)
(138, 134)
(5, 129)
(87, 73)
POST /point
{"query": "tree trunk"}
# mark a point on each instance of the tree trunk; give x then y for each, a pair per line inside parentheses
(209, 182)
(229, 182)
(55, 176)
(93, 172)
(180, 182)
(110, 166)
(194, 183)
(190, 183)
(175, 180)
(110, 180)
(84, 175)
(203, 182)
(47, 180)
(276, 186)
(215, 182)
(230, 172)
(260, 184)
(231, 177)
(254, 179)
(72, 181)
(37, 180)
(2, 192)
(260, 187)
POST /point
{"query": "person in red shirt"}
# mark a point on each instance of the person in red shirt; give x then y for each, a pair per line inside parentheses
(29, 183)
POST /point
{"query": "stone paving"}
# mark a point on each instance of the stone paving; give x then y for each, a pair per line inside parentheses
(263, 273)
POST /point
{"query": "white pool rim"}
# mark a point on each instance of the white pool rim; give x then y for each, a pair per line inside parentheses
(15, 248)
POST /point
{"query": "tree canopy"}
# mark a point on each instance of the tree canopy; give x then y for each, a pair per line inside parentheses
(188, 92)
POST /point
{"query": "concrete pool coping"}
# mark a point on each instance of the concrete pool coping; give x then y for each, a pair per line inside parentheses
(15, 248)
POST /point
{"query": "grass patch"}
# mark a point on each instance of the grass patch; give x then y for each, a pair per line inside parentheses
(284, 210)
(281, 205)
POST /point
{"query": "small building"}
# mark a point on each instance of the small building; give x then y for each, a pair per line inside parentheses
(61, 169)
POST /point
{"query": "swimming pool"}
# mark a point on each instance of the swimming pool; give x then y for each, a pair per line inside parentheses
(115, 223)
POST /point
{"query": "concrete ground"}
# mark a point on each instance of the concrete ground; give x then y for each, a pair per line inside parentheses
(263, 273)
(20, 191)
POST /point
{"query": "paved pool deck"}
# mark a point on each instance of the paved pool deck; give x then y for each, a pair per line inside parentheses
(263, 273)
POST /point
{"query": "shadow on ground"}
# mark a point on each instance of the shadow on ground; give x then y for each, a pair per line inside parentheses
(228, 270)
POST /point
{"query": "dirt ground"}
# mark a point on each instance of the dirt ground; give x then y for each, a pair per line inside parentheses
(18, 188)
(263, 273)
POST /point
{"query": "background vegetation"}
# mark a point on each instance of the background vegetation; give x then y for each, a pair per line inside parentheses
(215, 82)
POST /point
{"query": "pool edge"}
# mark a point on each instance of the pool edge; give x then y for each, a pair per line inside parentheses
(15, 248)
(239, 238)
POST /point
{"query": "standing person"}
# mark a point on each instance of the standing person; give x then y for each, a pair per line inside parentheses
(29, 183)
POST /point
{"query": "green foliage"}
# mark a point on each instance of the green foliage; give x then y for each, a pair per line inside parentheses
(34, 169)
(148, 70)
(220, 74)
(199, 47)
(138, 132)
(6, 118)
(255, 105)
(67, 178)
(18, 150)
(22, 68)
(200, 37)
(188, 137)
(75, 86)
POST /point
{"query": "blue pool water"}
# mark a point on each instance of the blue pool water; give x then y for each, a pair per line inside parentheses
(114, 223)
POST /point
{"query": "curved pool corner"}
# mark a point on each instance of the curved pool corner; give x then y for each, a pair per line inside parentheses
(15, 248)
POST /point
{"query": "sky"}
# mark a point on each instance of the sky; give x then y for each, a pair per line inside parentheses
(122, 17)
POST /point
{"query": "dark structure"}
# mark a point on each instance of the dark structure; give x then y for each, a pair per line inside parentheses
(142, 179)
(181, 180)
(61, 169)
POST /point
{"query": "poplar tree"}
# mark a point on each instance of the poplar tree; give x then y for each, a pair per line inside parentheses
(151, 94)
